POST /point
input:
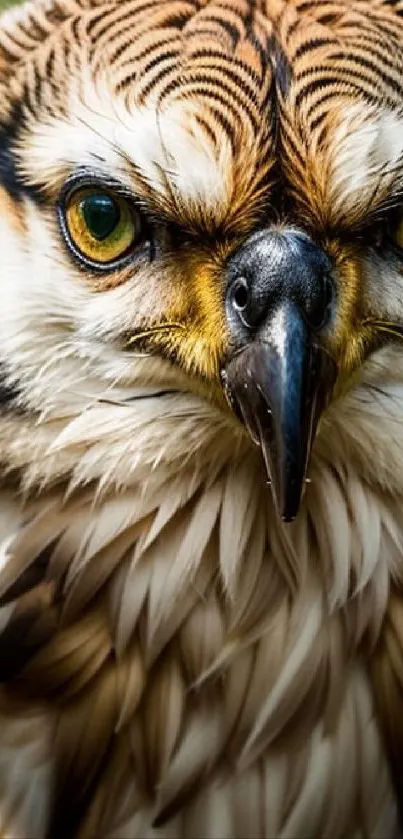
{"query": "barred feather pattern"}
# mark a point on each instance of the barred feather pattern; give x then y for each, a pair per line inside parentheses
(174, 661)
(259, 73)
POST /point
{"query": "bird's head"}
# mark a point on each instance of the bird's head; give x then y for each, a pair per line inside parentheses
(195, 198)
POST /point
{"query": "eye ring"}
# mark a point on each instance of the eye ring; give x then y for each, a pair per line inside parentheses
(101, 226)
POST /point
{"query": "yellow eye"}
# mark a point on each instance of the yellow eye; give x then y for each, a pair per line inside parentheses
(397, 232)
(101, 225)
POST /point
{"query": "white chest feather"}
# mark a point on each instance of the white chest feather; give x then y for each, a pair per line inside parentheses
(181, 659)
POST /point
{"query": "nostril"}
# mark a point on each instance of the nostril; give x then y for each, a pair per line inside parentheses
(240, 294)
(272, 268)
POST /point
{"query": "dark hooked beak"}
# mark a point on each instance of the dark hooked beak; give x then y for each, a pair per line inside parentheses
(279, 378)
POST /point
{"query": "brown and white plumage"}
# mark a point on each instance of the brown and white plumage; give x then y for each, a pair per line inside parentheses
(175, 661)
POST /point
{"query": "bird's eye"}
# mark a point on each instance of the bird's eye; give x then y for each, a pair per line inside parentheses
(396, 231)
(101, 226)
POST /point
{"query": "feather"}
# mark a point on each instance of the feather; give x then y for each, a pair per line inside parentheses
(174, 661)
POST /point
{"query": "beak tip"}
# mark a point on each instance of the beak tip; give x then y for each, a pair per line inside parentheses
(288, 508)
(287, 519)
(286, 478)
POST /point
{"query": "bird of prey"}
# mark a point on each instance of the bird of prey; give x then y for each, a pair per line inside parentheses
(201, 419)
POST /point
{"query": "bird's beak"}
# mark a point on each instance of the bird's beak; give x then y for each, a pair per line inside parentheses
(280, 378)
(278, 386)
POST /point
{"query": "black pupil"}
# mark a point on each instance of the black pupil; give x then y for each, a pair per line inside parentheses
(101, 215)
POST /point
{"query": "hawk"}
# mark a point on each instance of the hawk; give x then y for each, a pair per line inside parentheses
(201, 419)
